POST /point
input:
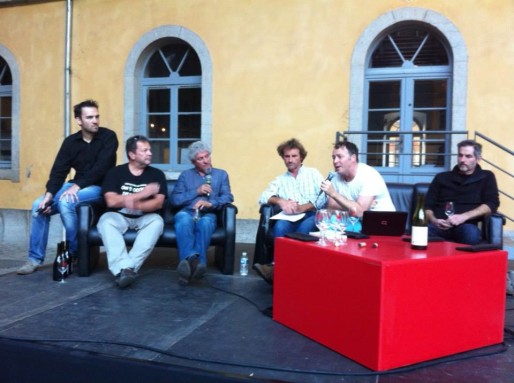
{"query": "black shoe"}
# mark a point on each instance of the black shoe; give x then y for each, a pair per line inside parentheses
(268, 311)
(184, 272)
(199, 270)
(125, 277)
(265, 271)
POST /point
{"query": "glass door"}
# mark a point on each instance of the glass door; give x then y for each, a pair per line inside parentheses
(407, 121)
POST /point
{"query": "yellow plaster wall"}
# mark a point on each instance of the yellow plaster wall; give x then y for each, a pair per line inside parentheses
(33, 34)
(280, 69)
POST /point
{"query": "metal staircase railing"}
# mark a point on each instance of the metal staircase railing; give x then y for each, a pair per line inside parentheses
(505, 151)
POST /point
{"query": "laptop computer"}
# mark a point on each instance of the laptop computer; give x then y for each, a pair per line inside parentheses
(384, 222)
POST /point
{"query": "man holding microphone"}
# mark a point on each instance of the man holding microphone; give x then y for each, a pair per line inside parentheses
(199, 193)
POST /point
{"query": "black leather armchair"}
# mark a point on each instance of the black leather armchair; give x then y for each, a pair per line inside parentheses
(263, 252)
(89, 240)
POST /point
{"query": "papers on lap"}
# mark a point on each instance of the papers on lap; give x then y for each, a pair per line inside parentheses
(288, 217)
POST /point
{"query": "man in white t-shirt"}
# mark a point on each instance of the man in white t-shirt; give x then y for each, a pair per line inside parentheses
(356, 187)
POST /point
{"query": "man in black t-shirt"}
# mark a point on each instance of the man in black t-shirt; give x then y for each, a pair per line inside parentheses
(134, 194)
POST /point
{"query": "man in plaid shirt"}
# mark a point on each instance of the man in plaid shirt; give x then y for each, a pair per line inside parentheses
(293, 192)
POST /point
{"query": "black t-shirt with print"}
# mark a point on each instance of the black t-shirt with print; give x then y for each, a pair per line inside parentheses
(121, 181)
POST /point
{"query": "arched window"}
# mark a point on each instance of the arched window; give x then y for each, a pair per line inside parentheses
(169, 73)
(410, 107)
(172, 89)
(5, 115)
(408, 78)
(9, 106)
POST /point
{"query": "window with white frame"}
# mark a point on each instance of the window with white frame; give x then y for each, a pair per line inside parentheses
(408, 90)
(408, 101)
(171, 89)
(5, 115)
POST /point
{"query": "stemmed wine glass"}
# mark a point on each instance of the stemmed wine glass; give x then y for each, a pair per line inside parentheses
(322, 220)
(449, 209)
(352, 217)
(339, 220)
(62, 266)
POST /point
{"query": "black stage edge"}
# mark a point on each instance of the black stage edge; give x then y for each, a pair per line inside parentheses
(26, 361)
(215, 330)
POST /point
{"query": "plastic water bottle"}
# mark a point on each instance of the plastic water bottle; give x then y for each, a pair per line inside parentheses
(243, 269)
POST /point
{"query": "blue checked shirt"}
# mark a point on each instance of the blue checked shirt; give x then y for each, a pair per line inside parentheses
(302, 189)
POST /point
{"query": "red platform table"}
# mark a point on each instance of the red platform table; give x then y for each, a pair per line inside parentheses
(390, 306)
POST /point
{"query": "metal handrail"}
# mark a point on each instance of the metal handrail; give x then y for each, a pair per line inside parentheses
(498, 145)
(448, 132)
(507, 151)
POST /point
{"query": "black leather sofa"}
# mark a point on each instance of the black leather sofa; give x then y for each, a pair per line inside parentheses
(404, 197)
(89, 240)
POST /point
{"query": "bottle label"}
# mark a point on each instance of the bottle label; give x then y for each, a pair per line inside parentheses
(419, 236)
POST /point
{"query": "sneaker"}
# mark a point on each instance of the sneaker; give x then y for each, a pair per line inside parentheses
(184, 272)
(28, 268)
(265, 271)
(510, 282)
(126, 277)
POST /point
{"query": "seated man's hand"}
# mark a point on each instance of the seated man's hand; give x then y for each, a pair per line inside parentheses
(456, 219)
(443, 224)
(288, 206)
(204, 189)
(70, 194)
(202, 204)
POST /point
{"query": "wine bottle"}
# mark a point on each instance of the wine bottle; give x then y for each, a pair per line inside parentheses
(57, 276)
(419, 237)
(68, 256)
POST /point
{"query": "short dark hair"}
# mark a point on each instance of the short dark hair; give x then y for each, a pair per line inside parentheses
(477, 148)
(350, 146)
(131, 145)
(293, 143)
(77, 109)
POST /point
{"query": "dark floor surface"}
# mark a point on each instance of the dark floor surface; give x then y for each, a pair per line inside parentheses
(215, 324)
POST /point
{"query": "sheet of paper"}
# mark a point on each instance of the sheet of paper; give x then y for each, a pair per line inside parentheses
(288, 217)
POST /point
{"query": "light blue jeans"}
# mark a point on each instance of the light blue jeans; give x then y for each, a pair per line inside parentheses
(112, 226)
(40, 224)
(194, 237)
(305, 225)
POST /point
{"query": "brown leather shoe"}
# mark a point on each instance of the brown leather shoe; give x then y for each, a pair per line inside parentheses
(265, 271)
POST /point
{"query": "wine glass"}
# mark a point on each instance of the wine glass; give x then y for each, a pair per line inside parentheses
(322, 220)
(62, 266)
(352, 217)
(338, 221)
(449, 209)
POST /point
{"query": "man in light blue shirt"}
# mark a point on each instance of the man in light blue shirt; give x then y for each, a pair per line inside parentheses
(199, 192)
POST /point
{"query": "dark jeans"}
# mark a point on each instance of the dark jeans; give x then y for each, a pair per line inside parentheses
(467, 233)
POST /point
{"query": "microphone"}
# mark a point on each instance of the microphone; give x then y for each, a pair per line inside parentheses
(208, 179)
(329, 178)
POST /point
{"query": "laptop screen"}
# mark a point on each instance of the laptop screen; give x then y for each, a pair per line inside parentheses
(384, 222)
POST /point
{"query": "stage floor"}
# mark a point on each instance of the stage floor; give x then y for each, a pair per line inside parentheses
(215, 325)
